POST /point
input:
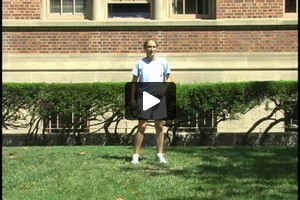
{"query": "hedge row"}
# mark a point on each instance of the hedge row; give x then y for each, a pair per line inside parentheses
(91, 100)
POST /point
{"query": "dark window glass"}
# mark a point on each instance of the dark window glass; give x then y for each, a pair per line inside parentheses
(291, 117)
(290, 6)
(129, 10)
(202, 7)
(179, 7)
(190, 7)
(53, 119)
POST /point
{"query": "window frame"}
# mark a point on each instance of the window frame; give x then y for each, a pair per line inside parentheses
(58, 117)
(197, 123)
(291, 121)
(69, 15)
(210, 15)
(290, 14)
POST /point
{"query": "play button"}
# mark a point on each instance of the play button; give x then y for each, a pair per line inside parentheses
(149, 101)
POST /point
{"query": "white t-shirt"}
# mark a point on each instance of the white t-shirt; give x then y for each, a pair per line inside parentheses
(152, 71)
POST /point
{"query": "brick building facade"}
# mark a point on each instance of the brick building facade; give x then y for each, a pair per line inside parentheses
(99, 40)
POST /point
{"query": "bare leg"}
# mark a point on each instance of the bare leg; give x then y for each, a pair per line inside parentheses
(140, 136)
(159, 127)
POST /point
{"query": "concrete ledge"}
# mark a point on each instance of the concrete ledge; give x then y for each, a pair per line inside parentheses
(148, 22)
(125, 76)
(187, 67)
(125, 61)
(145, 24)
(190, 139)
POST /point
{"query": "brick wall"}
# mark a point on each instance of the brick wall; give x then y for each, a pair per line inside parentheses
(21, 9)
(235, 9)
(131, 41)
(31, 9)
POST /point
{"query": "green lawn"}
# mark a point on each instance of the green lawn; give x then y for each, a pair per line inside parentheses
(193, 173)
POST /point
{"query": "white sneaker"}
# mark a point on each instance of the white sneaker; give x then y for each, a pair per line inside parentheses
(135, 159)
(161, 158)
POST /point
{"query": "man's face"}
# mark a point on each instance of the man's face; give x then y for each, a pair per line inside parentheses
(150, 49)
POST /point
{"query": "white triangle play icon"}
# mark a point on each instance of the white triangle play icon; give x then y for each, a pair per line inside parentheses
(149, 101)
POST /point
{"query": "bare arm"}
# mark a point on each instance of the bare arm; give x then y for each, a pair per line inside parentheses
(133, 89)
(134, 78)
(169, 78)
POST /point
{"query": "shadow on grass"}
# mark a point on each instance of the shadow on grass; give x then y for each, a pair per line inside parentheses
(152, 169)
(265, 162)
(187, 198)
(230, 171)
(122, 158)
(239, 162)
(110, 157)
(226, 171)
(256, 169)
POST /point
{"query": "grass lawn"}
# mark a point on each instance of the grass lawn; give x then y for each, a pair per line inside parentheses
(193, 173)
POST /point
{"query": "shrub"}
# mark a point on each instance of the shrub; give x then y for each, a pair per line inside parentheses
(93, 102)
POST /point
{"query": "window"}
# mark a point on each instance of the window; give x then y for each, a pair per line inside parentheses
(195, 8)
(55, 123)
(197, 122)
(290, 8)
(67, 7)
(127, 10)
(291, 119)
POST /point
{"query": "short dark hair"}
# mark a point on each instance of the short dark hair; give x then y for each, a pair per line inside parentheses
(146, 42)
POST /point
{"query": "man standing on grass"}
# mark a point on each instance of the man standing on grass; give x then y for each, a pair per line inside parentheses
(147, 70)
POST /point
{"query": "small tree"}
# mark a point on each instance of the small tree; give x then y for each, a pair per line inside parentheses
(284, 96)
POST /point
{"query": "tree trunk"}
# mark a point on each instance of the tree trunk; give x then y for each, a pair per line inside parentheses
(268, 117)
(265, 134)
